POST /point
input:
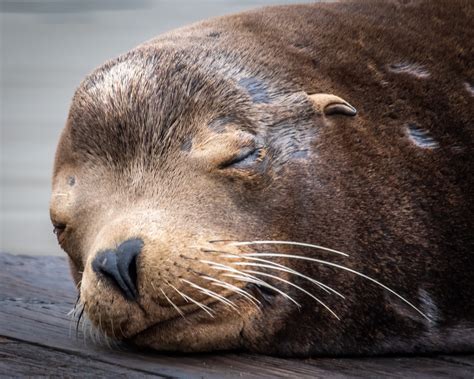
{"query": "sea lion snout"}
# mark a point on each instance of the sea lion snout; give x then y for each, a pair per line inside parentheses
(119, 267)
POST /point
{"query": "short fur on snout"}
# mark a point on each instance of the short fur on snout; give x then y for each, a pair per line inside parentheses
(300, 179)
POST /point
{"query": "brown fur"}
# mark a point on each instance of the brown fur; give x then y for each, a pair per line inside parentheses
(148, 135)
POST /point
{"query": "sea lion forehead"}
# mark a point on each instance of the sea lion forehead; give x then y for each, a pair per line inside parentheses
(138, 104)
(118, 76)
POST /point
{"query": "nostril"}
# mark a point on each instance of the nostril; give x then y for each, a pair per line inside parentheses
(120, 266)
(127, 254)
(132, 270)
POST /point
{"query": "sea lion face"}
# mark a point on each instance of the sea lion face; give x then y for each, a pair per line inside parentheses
(158, 171)
(197, 173)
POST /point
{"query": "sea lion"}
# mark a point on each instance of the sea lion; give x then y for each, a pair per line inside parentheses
(294, 180)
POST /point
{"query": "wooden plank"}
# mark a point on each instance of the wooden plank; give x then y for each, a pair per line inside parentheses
(40, 339)
(22, 359)
(396, 367)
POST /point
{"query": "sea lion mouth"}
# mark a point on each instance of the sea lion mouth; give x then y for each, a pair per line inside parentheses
(266, 297)
(187, 322)
(169, 323)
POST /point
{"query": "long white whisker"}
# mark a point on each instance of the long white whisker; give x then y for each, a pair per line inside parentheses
(240, 274)
(337, 266)
(212, 294)
(220, 266)
(280, 267)
(231, 287)
(292, 243)
(296, 286)
(249, 279)
(205, 308)
(185, 297)
(73, 314)
(172, 304)
(78, 319)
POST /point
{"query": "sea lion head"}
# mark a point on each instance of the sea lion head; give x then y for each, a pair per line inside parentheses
(171, 165)
(213, 189)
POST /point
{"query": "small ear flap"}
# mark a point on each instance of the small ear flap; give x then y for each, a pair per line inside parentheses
(329, 104)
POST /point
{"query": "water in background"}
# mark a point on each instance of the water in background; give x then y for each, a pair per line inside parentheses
(46, 48)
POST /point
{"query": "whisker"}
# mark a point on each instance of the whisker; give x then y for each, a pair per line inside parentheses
(173, 304)
(113, 330)
(223, 267)
(231, 287)
(292, 243)
(78, 299)
(187, 298)
(72, 313)
(296, 286)
(212, 294)
(180, 312)
(220, 266)
(255, 280)
(325, 287)
(250, 279)
(323, 262)
(105, 338)
(81, 313)
(280, 267)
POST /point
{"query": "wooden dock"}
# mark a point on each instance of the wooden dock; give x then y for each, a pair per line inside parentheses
(37, 337)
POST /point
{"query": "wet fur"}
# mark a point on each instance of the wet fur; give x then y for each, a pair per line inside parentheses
(359, 185)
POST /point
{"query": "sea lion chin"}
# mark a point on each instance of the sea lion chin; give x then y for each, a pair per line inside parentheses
(293, 180)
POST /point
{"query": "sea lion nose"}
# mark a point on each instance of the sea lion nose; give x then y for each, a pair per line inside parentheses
(119, 266)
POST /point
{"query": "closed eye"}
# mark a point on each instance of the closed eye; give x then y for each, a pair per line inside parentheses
(58, 230)
(246, 158)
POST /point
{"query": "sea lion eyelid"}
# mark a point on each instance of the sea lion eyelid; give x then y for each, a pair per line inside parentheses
(58, 229)
(244, 158)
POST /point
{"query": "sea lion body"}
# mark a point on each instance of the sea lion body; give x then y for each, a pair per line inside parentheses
(223, 131)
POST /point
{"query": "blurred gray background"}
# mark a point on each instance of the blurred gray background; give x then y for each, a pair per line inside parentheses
(46, 48)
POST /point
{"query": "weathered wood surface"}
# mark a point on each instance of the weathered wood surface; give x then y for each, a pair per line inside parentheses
(38, 338)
